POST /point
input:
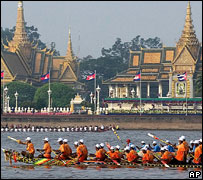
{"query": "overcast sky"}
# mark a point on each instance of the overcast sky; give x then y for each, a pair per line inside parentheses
(99, 23)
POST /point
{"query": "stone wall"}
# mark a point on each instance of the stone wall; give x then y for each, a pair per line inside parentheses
(190, 122)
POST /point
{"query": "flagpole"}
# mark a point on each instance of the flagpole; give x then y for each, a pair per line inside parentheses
(3, 92)
(186, 96)
(95, 92)
(140, 94)
(49, 93)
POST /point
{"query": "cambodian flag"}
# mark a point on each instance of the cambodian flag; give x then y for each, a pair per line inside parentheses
(137, 77)
(90, 77)
(2, 74)
(45, 77)
(182, 77)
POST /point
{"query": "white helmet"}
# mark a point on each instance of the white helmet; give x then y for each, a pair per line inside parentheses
(196, 142)
(142, 142)
(200, 140)
(28, 139)
(59, 139)
(81, 140)
(112, 148)
(127, 148)
(117, 147)
(102, 144)
(180, 138)
(65, 140)
(132, 145)
(191, 142)
(183, 137)
(76, 143)
(167, 141)
(154, 142)
(46, 139)
(162, 148)
(97, 146)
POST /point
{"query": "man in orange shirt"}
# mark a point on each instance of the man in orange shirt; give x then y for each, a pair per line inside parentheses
(30, 150)
(150, 153)
(46, 149)
(131, 154)
(98, 153)
(118, 154)
(198, 153)
(67, 149)
(103, 151)
(111, 153)
(180, 154)
(145, 157)
(83, 148)
(166, 155)
(62, 150)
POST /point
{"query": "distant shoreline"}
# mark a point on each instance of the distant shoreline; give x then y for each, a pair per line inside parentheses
(125, 122)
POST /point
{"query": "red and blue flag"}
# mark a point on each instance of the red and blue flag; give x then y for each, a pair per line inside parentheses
(137, 77)
(45, 77)
(90, 77)
(2, 74)
(182, 77)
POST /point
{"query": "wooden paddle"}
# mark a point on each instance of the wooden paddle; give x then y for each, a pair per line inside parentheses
(108, 146)
(58, 156)
(163, 162)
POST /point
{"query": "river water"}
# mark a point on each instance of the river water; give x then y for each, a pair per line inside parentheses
(22, 171)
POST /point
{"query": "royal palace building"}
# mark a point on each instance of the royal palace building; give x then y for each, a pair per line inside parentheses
(22, 60)
(159, 69)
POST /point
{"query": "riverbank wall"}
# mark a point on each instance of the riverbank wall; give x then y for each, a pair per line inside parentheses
(161, 122)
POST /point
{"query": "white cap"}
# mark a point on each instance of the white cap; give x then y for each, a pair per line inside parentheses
(191, 142)
(117, 147)
(65, 140)
(144, 148)
(142, 142)
(166, 148)
(154, 142)
(200, 140)
(167, 141)
(127, 148)
(112, 147)
(180, 138)
(59, 139)
(162, 148)
(28, 139)
(75, 143)
(196, 142)
(81, 140)
(102, 144)
(46, 139)
(97, 146)
(132, 145)
(183, 137)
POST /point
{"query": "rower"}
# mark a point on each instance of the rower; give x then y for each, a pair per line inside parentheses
(30, 150)
(46, 149)
(98, 153)
(167, 156)
(191, 147)
(82, 151)
(170, 147)
(145, 158)
(156, 147)
(111, 153)
(68, 150)
(61, 151)
(128, 142)
(180, 154)
(198, 152)
(103, 150)
(143, 144)
(151, 156)
(132, 156)
(118, 154)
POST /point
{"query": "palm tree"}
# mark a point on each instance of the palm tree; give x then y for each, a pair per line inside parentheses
(198, 84)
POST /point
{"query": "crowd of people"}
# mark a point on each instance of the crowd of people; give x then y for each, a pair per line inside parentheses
(180, 154)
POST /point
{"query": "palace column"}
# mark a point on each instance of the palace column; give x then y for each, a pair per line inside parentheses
(148, 89)
(127, 91)
(138, 90)
(170, 84)
(160, 89)
(191, 86)
(116, 91)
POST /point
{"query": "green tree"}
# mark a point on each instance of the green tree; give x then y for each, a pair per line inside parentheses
(198, 85)
(25, 91)
(61, 95)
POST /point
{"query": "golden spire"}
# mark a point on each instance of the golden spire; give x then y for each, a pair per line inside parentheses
(188, 36)
(20, 35)
(69, 53)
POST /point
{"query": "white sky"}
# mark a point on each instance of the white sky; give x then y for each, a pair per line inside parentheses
(99, 23)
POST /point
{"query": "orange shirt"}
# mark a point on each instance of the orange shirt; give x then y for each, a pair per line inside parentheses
(132, 155)
(98, 154)
(80, 154)
(198, 152)
(68, 150)
(84, 149)
(117, 154)
(186, 146)
(111, 154)
(30, 148)
(151, 156)
(145, 158)
(180, 152)
(167, 156)
(47, 148)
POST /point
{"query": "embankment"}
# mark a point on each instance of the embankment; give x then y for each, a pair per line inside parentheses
(163, 122)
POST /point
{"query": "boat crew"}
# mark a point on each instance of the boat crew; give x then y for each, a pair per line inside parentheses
(83, 148)
(30, 150)
(156, 147)
(170, 147)
(68, 150)
(46, 149)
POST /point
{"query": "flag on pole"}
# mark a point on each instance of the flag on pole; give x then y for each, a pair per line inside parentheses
(2, 74)
(137, 77)
(90, 77)
(182, 77)
(45, 77)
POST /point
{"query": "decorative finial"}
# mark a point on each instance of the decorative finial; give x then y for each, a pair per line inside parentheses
(20, 4)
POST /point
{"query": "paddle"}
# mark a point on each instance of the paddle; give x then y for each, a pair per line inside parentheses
(108, 146)
(58, 157)
(163, 162)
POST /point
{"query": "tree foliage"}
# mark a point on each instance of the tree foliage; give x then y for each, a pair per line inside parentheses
(60, 96)
(25, 92)
(198, 85)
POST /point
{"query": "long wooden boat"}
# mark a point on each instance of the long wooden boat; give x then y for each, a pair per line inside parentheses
(14, 155)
